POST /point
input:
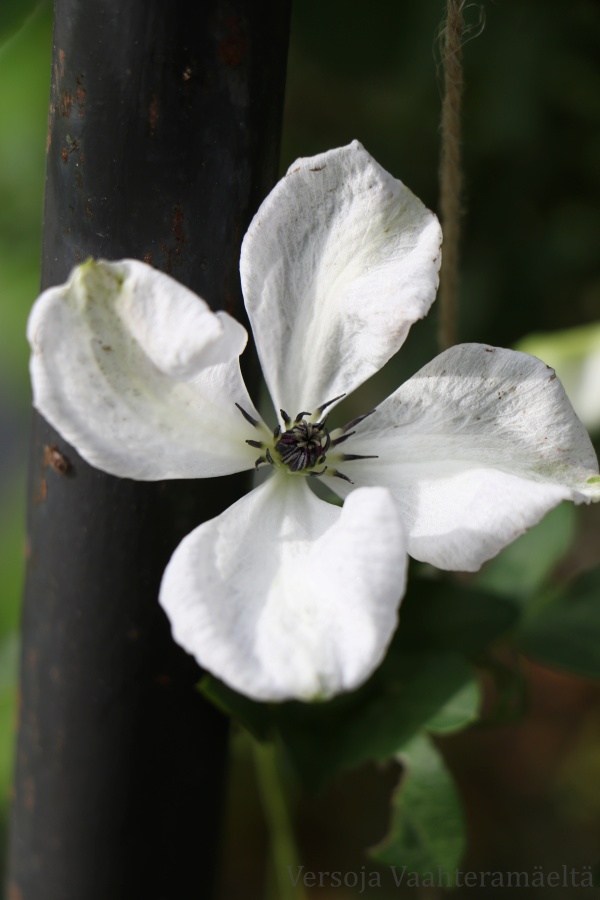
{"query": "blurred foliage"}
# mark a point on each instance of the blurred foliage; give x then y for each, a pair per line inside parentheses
(574, 354)
(530, 266)
(523, 568)
(428, 830)
(565, 632)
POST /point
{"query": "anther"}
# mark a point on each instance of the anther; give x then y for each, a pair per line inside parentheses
(337, 474)
(357, 420)
(348, 456)
(277, 431)
(300, 416)
(269, 457)
(340, 440)
(258, 444)
(329, 402)
(247, 416)
(259, 462)
(317, 474)
(285, 417)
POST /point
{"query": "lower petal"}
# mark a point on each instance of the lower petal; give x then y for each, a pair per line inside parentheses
(284, 596)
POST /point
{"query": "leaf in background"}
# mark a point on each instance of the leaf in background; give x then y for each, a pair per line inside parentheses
(440, 615)
(411, 690)
(565, 634)
(460, 710)
(404, 695)
(9, 653)
(14, 15)
(257, 718)
(427, 833)
(574, 354)
(425, 681)
(525, 565)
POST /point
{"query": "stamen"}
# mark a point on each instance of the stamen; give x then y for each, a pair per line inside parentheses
(300, 416)
(259, 462)
(337, 474)
(285, 417)
(348, 456)
(269, 457)
(340, 440)
(357, 420)
(318, 474)
(329, 402)
(277, 431)
(258, 444)
(247, 416)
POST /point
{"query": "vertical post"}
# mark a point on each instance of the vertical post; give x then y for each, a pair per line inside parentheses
(163, 138)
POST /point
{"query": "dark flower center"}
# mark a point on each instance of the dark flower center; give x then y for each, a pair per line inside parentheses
(304, 445)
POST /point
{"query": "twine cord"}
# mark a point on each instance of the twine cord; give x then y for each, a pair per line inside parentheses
(450, 171)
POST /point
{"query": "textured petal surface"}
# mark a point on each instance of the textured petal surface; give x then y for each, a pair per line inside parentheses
(139, 375)
(286, 596)
(475, 448)
(337, 264)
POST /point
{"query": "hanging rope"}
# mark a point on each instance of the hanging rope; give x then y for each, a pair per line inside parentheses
(450, 171)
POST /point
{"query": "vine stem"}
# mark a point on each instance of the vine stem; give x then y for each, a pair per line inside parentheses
(282, 843)
(450, 171)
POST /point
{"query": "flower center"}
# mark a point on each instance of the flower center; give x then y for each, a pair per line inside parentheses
(304, 444)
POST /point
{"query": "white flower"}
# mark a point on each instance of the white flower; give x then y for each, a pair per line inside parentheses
(285, 595)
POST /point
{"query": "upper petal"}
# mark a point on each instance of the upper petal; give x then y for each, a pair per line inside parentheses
(337, 264)
(139, 375)
(475, 448)
(285, 596)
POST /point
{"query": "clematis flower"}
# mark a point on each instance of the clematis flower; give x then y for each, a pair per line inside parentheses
(285, 595)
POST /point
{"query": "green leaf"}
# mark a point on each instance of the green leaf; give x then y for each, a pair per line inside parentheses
(565, 634)
(444, 616)
(574, 353)
(409, 691)
(257, 718)
(428, 833)
(522, 568)
(9, 653)
(14, 15)
(424, 682)
(461, 710)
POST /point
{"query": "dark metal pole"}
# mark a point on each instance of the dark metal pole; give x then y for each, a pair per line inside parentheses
(163, 138)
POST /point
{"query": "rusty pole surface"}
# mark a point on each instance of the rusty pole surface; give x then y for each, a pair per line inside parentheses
(163, 138)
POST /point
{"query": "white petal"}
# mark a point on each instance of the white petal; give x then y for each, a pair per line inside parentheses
(475, 448)
(286, 596)
(139, 375)
(337, 264)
